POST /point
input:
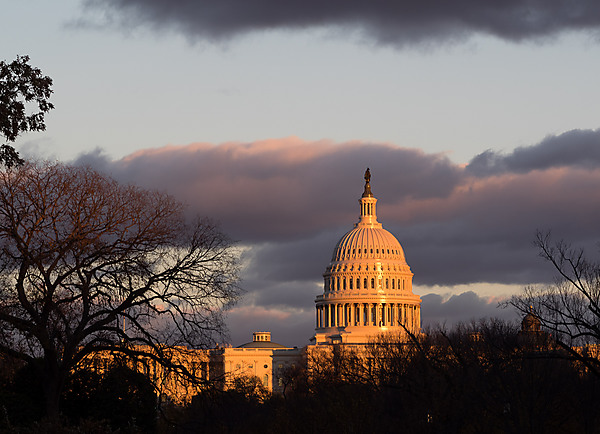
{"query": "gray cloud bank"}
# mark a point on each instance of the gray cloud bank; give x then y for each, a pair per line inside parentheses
(398, 23)
(576, 148)
(288, 201)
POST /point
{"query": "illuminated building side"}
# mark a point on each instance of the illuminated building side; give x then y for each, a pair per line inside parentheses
(367, 285)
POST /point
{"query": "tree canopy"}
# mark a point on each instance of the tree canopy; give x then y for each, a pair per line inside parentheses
(22, 87)
(88, 264)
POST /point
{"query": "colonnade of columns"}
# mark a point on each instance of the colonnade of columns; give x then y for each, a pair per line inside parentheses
(368, 314)
(369, 282)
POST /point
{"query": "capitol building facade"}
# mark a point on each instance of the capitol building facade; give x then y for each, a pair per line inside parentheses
(367, 292)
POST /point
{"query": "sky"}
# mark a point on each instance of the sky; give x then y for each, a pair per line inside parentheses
(478, 119)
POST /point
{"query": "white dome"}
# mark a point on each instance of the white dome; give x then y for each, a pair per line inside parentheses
(368, 243)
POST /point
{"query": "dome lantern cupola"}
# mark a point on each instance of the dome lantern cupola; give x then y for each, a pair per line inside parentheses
(368, 216)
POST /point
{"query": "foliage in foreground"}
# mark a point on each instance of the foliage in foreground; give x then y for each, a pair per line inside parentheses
(22, 87)
(486, 377)
(119, 400)
(476, 378)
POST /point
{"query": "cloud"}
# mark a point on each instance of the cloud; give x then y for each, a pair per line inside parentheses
(575, 148)
(282, 189)
(288, 327)
(288, 201)
(464, 308)
(397, 23)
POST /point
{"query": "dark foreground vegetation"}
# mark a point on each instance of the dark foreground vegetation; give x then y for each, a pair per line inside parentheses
(486, 377)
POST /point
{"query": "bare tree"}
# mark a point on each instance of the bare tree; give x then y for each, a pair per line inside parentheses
(570, 308)
(90, 265)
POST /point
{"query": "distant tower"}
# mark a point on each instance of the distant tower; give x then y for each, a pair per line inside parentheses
(368, 284)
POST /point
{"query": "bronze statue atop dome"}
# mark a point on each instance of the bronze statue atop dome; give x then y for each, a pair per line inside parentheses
(367, 192)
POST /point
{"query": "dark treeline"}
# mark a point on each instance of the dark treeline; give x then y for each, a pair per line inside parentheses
(483, 377)
(488, 377)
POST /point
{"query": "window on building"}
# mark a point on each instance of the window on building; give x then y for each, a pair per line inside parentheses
(372, 283)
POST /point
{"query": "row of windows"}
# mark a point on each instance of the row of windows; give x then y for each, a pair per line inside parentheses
(383, 251)
(342, 267)
(348, 283)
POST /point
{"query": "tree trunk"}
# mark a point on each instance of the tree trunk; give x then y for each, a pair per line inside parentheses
(53, 385)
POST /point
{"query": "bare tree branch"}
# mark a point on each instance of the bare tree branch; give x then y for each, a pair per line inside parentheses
(90, 265)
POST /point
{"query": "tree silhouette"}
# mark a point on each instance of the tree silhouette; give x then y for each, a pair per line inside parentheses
(569, 309)
(21, 87)
(89, 265)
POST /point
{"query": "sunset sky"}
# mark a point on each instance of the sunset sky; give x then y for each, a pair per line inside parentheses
(479, 120)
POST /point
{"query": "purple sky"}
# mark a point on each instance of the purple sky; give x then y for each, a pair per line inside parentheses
(287, 202)
(478, 119)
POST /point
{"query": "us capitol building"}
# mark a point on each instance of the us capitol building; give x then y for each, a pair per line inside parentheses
(368, 284)
(367, 292)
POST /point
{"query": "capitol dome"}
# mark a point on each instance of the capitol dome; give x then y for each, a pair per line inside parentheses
(367, 285)
(363, 242)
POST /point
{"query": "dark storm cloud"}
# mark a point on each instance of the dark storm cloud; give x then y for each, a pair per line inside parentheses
(288, 201)
(397, 23)
(283, 189)
(484, 231)
(580, 148)
(290, 328)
